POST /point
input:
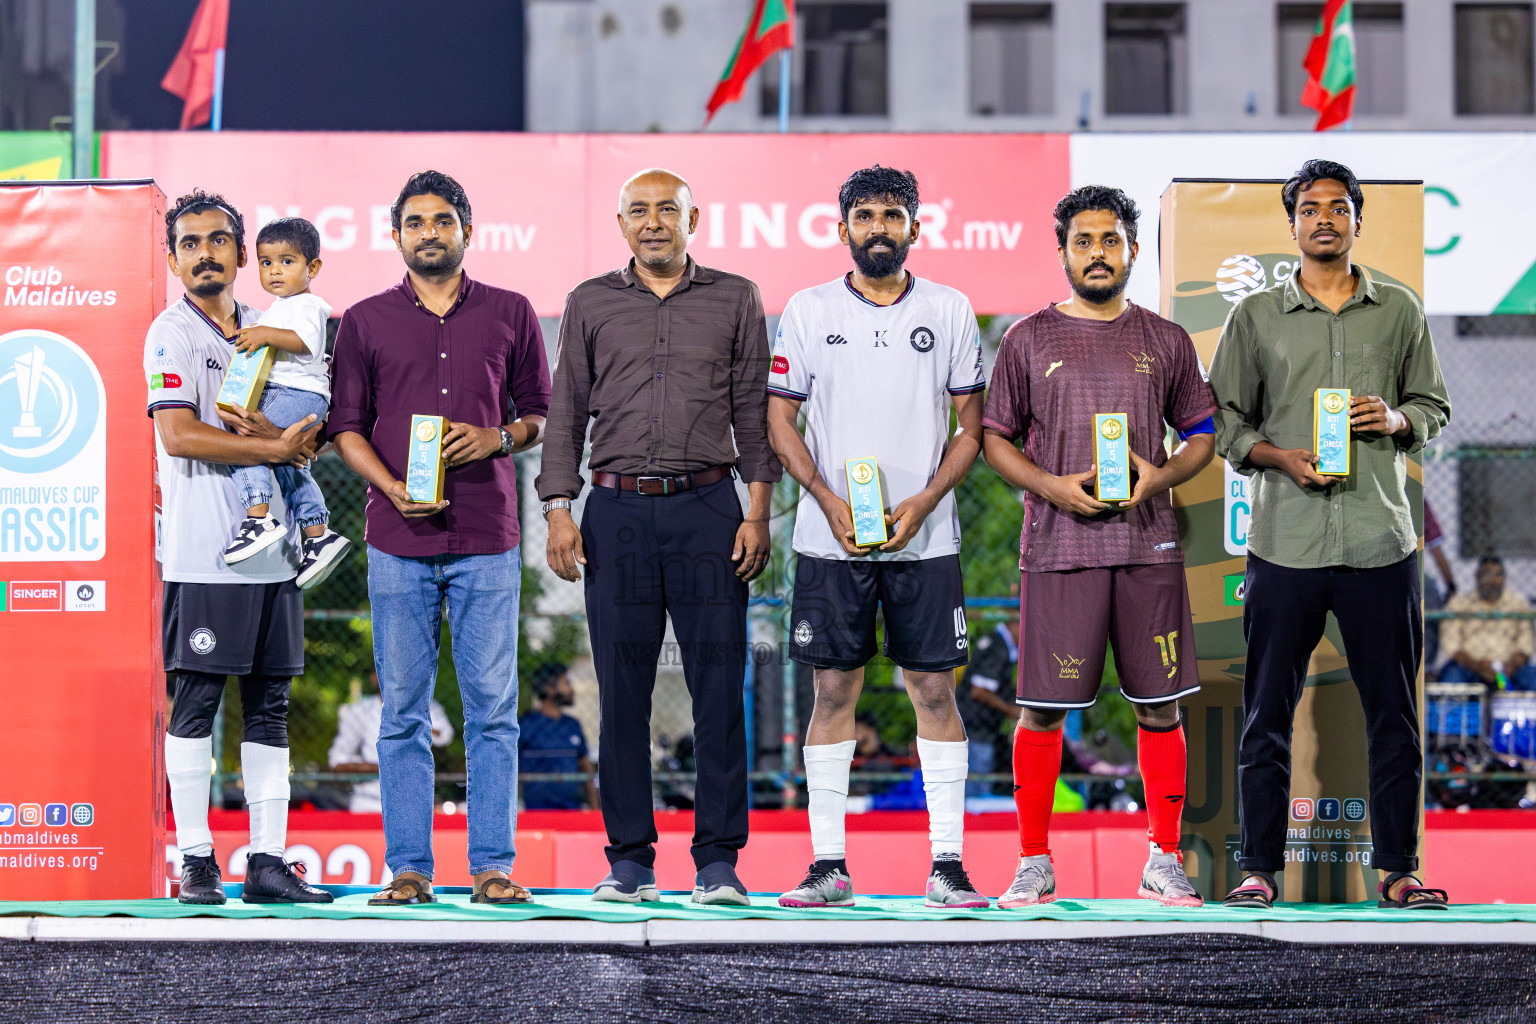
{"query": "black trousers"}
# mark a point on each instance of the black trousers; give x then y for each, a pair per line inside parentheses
(648, 557)
(1382, 626)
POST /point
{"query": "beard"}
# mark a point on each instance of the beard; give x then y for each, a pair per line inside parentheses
(209, 289)
(443, 263)
(1098, 294)
(880, 264)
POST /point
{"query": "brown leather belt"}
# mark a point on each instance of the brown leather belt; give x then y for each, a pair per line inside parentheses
(660, 486)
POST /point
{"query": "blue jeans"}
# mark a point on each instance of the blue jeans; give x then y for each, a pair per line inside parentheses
(407, 596)
(285, 407)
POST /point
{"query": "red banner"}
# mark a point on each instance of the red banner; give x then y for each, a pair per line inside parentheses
(545, 205)
(81, 780)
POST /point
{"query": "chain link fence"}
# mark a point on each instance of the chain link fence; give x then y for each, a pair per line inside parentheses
(1479, 481)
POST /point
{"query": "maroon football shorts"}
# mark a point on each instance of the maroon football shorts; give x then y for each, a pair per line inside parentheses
(1069, 617)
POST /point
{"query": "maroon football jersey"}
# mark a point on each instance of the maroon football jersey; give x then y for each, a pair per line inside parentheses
(1053, 374)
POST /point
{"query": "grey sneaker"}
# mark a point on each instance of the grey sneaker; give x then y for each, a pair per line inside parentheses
(627, 882)
(717, 884)
(1164, 880)
(949, 886)
(1033, 883)
(823, 887)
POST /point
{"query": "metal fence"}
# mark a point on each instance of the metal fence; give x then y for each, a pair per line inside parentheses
(1480, 480)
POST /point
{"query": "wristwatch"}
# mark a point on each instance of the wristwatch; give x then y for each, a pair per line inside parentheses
(506, 441)
(554, 503)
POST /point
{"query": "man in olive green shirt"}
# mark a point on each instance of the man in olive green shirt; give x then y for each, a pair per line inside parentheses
(1318, 544)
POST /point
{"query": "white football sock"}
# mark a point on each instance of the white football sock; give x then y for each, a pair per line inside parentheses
(826, 780)
(944, 769)
(266, 794)
(189, 769)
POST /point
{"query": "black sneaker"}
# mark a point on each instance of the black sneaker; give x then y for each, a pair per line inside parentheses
(200, 881)
(253, 537)
(269, 879)
(322, 556)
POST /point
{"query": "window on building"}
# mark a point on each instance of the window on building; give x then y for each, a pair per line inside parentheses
(1146, 59)
(1378, 50)
(839, 65)
(1494, 73)
(1012, 70)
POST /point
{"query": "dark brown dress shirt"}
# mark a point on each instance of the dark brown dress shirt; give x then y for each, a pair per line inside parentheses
(665, 381)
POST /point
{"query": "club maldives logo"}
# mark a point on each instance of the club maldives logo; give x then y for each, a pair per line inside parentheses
(50, 400)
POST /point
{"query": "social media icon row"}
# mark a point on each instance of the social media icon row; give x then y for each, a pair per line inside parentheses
(52, 815)
(1328, 808)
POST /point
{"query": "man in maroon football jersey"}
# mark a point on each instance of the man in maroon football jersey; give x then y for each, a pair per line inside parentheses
(1095, 574)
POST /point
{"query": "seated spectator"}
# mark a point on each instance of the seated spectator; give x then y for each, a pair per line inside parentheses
(356, 747)
(552, 741)
(985, 699)
(1486, 650)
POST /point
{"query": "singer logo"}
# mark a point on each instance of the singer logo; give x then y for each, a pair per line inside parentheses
(32, 596)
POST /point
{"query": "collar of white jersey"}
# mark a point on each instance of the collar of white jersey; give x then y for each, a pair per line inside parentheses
(911, 283)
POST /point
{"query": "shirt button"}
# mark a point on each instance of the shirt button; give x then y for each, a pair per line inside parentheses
(661, 341)
(1335, 506)
(655, 419)
(443, 355)
(658, 376)
(441, 321)
(445, 391)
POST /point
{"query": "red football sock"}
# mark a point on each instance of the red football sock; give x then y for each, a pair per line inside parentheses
(1036, 766)
(1164, 762)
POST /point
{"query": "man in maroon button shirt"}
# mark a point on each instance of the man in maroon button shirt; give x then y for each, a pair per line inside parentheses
(440, 344)
(1094, 574)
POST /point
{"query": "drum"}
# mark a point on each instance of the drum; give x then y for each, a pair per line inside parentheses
(1455, 714)
(1512, 731)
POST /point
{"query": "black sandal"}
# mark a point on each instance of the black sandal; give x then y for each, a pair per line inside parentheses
(1415, 895)
(511, 892)
(1261, 897)
(417, 891)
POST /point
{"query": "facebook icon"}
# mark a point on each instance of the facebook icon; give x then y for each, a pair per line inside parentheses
(56, 815)
(1328, 809)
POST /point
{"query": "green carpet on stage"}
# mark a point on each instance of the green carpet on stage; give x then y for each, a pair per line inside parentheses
(454, 905)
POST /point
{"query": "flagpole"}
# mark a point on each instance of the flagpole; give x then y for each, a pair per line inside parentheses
(784, 66)
(83, 122)
(216, 122)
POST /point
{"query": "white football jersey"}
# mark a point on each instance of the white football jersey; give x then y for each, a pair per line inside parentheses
(185, 357)
(876, 382)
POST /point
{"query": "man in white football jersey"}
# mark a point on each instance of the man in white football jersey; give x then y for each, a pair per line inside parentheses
(877, 358)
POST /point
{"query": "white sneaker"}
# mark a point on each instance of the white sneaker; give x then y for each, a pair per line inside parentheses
(1034, 883)
(1164, 880)
(322, 556)
(254, 537)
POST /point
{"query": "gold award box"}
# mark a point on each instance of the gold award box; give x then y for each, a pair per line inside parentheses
(1111, 457)
(1330, 431)
(245, 379)
(424, 464)
(866, 503)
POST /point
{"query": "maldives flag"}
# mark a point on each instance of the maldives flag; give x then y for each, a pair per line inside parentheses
(192, 72)
(770, 29)
(1330, 66)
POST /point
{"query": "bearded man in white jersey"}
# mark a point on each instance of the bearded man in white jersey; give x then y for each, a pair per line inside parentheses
(877, 358)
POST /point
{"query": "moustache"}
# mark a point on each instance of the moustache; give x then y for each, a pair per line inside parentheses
(206, 265)
(880, 240)
(1096, 265)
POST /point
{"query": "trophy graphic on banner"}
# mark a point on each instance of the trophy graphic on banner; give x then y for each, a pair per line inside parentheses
(1330, 431)
(245, 379)
(29, 374)
(1111, 457)
(866, 503)
(424, 462)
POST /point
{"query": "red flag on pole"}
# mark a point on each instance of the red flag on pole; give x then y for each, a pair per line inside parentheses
(1330, 64)
(192, 74)
(771, 28)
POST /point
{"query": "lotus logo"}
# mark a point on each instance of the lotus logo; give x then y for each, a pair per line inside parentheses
(1239, 277)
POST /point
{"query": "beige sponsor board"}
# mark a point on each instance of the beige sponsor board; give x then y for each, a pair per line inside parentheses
(1220, 241)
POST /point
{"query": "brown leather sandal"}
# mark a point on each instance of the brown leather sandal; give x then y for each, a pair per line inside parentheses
(413, 892)
(509, 892)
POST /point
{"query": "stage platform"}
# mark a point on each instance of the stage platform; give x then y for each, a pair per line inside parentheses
(565, 958)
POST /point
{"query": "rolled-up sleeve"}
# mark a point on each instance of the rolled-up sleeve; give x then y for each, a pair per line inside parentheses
(565, 431)
(749, 395)
(1236, 379)
(351, 381)
(1424, 399)
(529, 369)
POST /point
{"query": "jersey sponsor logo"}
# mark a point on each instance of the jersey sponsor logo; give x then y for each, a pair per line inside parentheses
(880, 339)
(1070, 666)
(960, 628)
(922, 339)
(1053, 367)
(780, 365)
(36, 596)
(202, 640)
(164, 380)
(212, 364)
(803, 633)
(836, 339)
(1143, 361)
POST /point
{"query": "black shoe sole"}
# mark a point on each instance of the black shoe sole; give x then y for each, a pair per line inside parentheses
(279, 899)
(203, 901)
